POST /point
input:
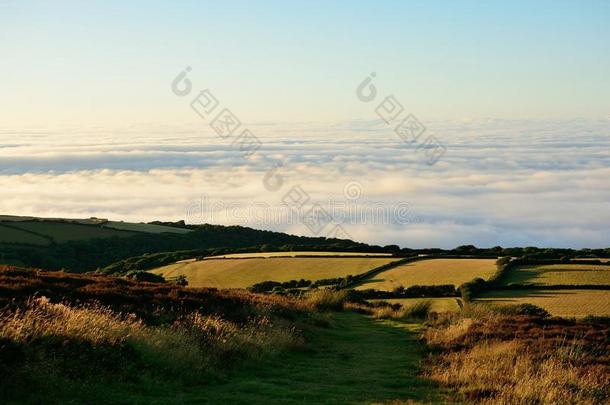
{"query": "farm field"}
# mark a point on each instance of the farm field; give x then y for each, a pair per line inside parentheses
(294, 254)
(431, 272)
(242, 273)
(11, 235)
(32, 231)
(440, 304)
(65, 231)
(560, 274)
(567, 303)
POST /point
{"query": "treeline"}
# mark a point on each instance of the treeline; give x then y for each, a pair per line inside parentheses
(288, 287)
(297, 287)
(414, 291)
(531, 253)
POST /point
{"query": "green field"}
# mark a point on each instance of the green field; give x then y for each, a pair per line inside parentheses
(568, 303)
(8, 234)
(441, 304)
(241, 273)
(295, 254)
(554, 274)
(66, 231)
(431, 272)
(32, 231)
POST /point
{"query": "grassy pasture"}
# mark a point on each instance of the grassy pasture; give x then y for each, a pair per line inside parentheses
(32, 231)
(296, 254)
(431, 272)
(567, 303)
(560, 274)
(12, 235)
(65, 231)
(441, 304)
(241, 273)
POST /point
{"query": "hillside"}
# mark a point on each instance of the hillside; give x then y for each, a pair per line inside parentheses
(90, 244)
(99, 339)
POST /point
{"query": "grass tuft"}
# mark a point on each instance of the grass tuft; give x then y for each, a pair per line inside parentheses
(326, 299)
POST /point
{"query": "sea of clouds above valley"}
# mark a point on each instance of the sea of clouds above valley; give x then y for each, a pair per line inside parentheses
(500, 182)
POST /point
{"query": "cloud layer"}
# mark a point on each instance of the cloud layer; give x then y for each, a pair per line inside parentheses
(500, 182)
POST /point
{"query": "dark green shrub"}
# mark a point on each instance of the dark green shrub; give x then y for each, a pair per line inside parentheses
(525, 309)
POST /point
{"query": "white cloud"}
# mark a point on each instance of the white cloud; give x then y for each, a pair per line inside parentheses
(500, 182)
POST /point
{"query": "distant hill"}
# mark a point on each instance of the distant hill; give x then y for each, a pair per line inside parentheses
(82, 245)
(45, 231)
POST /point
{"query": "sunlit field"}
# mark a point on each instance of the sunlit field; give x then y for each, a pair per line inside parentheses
(242, 273)
(554, 274)
(432, 272)
(568, 303)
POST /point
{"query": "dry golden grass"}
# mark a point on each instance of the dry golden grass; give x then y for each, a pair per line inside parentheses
(193, 346)
(242, 273)
(432, 272)
(419, 310)
(553, 274)
(326, 299)
(442, 304)
(510, 375)
(566, 303)
(491, 359)
(92, 324)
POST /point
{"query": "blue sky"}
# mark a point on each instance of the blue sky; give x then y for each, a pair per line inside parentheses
(517, 92)
(109, 62)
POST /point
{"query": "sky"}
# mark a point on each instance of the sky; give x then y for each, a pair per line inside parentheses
(109, 62)
(516, 96)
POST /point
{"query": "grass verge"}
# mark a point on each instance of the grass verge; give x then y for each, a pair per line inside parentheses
(495, 357)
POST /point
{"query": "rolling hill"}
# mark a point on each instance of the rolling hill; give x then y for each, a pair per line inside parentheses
(82, 245)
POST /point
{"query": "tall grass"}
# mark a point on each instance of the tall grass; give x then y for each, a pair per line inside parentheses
(327, 299)
(415, 312)
(493, 358)
(69, 341)
(42, 319)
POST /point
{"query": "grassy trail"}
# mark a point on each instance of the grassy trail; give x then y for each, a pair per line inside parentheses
(354, 361)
